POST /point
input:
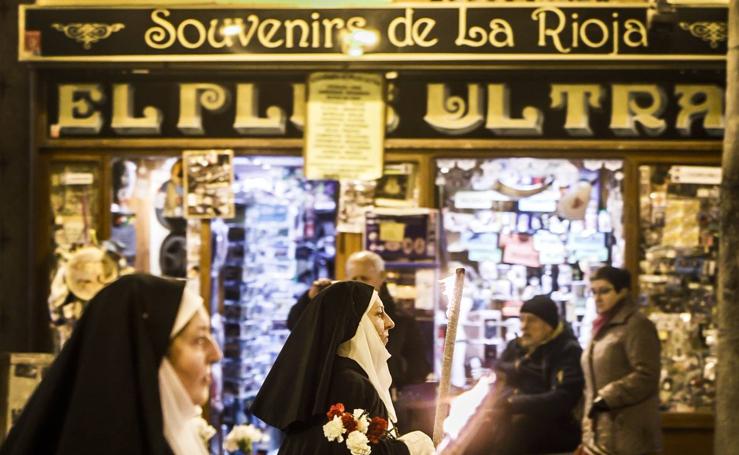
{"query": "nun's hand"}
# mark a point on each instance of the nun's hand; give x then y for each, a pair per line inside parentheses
(318, 286)
(418, 443)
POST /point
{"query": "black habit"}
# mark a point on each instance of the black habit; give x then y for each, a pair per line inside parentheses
(308, 377)
(101, 394)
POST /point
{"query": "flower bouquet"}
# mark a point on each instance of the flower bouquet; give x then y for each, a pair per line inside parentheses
(360, 430)
(242, 438)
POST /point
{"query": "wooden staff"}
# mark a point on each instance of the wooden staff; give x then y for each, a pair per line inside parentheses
(442, 398)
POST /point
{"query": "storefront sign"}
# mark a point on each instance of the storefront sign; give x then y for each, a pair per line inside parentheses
(345, 130)
(477, 32)
(535, 104)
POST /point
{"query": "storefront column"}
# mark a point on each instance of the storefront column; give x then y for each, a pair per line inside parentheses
(19, 324)
(727, 399)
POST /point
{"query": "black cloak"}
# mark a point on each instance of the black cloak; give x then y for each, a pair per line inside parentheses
(308, 377)
(101, 394)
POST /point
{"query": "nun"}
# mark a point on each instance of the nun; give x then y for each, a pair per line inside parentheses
(130, 380)
(335, 355)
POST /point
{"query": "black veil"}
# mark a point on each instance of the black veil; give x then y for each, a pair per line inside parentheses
(101, 394)
(296, 389)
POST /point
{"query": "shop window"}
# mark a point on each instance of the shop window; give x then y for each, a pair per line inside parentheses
(523, 227)
(280, 240)
(679, 218)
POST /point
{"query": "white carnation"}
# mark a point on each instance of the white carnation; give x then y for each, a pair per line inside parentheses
(362, 421)
(242, 437)
(357, 443)
(204, 429)
(334, 429)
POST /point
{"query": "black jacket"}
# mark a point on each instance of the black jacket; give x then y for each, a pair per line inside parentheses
(408, 364)
(540, 392)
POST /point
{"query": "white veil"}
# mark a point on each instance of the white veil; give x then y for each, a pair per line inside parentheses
(179, 414)
(367, 349)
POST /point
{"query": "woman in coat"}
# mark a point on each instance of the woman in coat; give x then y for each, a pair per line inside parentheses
(335, 354)
(622, 368)
(130, 379)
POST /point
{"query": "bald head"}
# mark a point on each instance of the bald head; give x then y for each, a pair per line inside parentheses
(367, 267)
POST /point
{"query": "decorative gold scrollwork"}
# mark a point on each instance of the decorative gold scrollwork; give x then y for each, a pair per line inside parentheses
(88, 33)
(714, 32)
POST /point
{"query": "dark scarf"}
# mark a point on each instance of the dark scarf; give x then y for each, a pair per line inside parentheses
(101, 394)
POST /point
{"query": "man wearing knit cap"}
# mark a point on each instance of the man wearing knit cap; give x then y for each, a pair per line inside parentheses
(539, 386)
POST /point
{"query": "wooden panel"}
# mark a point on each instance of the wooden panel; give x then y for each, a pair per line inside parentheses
(687, 433)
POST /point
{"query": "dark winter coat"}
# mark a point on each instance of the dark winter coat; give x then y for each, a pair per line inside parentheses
(540, 396)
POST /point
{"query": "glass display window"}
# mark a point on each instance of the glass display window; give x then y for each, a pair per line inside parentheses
(280, 240)
(679, 219)
(522, 227)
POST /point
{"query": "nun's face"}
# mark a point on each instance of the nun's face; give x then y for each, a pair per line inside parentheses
(191, 353)
(380, 319)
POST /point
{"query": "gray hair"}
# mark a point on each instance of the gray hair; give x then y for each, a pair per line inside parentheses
(367, 256)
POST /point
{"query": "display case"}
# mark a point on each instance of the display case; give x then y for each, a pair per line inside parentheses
(280, 240)
(522, 227)
(679, 220)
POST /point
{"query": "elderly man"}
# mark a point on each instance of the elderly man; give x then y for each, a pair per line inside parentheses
(539, 386)
(408, 364)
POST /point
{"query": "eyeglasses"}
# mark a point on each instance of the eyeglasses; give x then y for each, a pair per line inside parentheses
(601, 291)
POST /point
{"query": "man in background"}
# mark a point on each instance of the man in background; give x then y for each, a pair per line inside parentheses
(532, 408)
(408, 364)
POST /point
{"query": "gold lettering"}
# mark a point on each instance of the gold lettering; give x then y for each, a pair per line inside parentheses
(164, 35)
(584, 33)
(453, 115)
(328, 25)
(77, 111)
(124, 121)
(634, 27)
(579, 98)
(405, 22)
(500, 26)
(356, 23)
(626, 111)
(215, 28)
(540, 14)
(247, 33)
(499, 117)
(710, 109)
(194, 97)
(266, 31)
(247, 113)
(200, 31)
(477, 34)
(316, 28)
(290, 26)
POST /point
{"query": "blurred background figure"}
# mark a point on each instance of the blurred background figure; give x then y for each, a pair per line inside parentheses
(532, 408)
(622, 368)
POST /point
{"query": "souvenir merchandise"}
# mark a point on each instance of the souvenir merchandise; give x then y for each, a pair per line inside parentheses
(208, 184)
(523, 227)
(279, 241)
(74, 202)
(679, 218)
(397, 187)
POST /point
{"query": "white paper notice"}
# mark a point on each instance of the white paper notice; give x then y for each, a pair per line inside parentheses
(345, 129)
